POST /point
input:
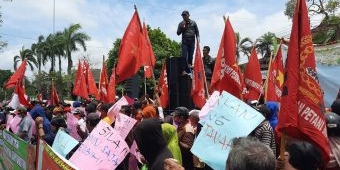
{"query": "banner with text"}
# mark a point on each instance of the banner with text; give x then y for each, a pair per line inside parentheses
(15, 153)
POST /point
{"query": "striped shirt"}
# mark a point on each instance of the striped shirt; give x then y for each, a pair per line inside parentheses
(265, 133)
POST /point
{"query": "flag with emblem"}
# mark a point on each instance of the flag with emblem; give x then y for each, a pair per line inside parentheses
(274, 84)
(130, 50)
(227, 75)
(198, 81)
(301, 112)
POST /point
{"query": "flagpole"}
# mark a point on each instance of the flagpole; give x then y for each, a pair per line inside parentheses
(283, 145)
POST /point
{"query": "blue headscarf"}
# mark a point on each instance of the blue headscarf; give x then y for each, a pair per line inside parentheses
(274, 108)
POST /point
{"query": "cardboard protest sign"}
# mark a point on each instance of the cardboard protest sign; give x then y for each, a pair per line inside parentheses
(63, 143)
(104, 148)
(124, 125)
(229, 118)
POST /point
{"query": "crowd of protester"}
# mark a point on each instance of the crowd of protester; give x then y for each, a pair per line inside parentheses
(164, 141)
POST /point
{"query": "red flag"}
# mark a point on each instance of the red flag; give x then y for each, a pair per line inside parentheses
(20, 91)
(103, 83)
(253, 78)
(17, 76)
(111, 89)
(198, 81)
(275, 79)
(129, 53)
(148, 57)
(227, 75)
(91, 84)
(163, 87)
(301, 114)
(80, 88)
(54, 96)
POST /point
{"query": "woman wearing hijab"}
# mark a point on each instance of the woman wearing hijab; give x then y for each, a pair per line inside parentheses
(151, 143)
(171, 138)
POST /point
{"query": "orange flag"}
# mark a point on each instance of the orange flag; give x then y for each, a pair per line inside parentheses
(80, 88)
(17, 76)
(275, 79)
(91, 84)
(163, 87)
(103, 84)
(130, 50)
(227, 75)
(148, 57)
(301, 113)
(198, 81)
(54, 96)
(253, 78)
(111, 89)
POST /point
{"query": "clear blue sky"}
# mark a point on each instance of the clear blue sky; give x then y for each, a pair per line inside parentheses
(106, 20)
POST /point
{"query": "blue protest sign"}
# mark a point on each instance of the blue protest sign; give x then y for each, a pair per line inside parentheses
(229, 118)
(64, 143)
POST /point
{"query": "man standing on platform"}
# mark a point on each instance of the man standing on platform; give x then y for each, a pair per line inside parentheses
(189, 30)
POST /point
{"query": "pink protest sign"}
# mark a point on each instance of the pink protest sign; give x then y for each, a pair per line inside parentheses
(124, 125)
(209, 104)
(114, 111)
(104, 148)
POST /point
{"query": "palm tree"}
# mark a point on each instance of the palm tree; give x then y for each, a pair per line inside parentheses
(71, 37)
(242, 46)
(39, 50)
(265, 44)
(54, 47)
(25, 54)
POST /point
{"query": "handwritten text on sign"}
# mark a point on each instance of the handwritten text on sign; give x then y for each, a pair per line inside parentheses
(124, 125)
(229, 118)
(104, 148)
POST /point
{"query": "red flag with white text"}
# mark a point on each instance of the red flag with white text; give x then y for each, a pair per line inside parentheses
(148, 57)
(198, 81)
(163, 87)
(301, 112)
(130, 50)
(227, 75)
(253, 78)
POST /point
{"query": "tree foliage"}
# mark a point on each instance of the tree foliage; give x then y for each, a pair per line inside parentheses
(323, 7)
